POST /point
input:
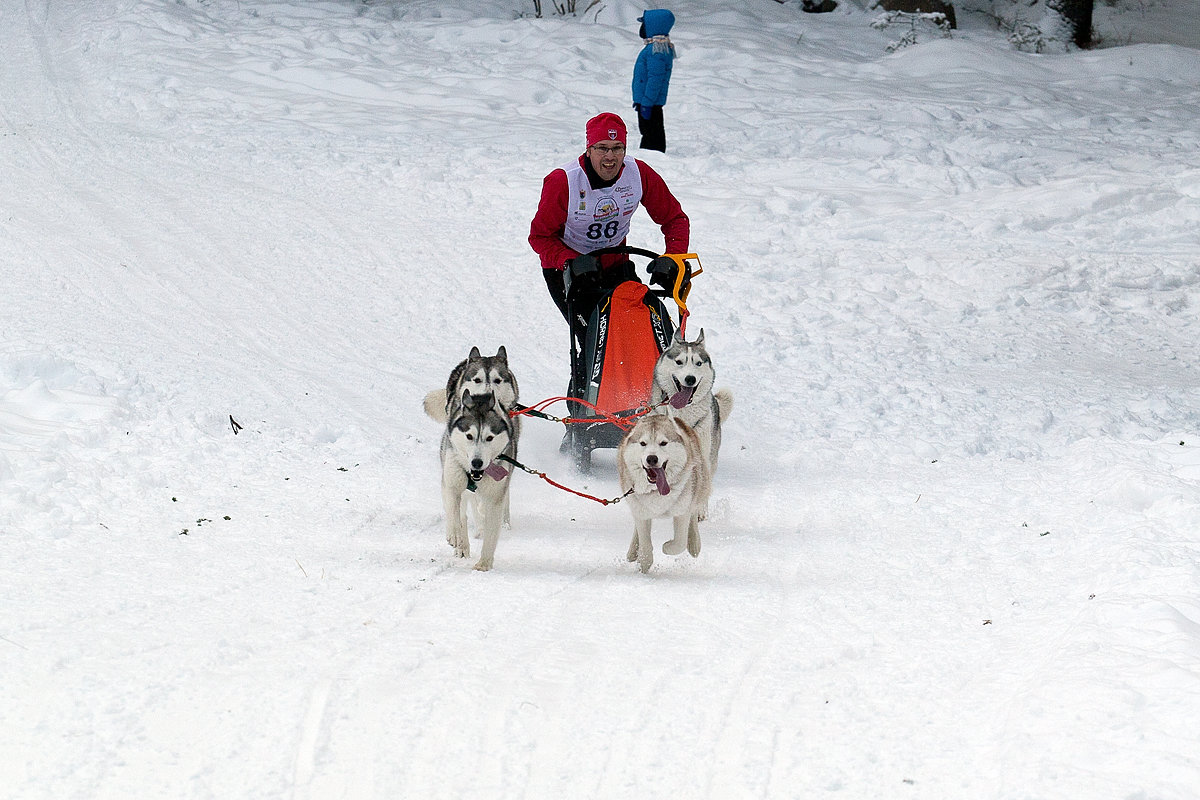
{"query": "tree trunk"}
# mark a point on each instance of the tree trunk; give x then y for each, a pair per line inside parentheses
(1078, 14)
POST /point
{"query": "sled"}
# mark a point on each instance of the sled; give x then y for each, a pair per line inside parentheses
(612, 364)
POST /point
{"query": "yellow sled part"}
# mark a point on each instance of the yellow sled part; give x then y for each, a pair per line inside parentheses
(681, 290)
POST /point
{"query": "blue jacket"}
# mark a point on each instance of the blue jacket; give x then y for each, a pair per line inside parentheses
(652, 72)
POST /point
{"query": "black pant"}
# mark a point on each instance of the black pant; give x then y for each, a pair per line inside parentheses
(582, 304)
(653, 135)
(581, 307)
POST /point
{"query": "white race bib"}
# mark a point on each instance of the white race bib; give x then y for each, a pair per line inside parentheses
(599, 218)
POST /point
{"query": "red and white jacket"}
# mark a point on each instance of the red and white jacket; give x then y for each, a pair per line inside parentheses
(571, 214)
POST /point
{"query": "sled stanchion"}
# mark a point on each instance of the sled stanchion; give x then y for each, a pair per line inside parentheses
(613, 351)
(557, 485)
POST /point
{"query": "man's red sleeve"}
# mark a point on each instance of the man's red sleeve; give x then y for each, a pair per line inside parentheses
(665, 210)
(545, 232)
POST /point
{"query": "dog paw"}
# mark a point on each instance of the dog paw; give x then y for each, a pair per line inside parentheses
(672, 547)
(632, 555)
(644, 564)
(483, 565)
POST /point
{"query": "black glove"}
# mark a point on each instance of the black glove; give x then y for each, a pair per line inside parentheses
(581, 276)
(662, 272)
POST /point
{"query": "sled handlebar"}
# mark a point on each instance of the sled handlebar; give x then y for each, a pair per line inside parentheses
(623, 250)
(683, 277)
(683, 274)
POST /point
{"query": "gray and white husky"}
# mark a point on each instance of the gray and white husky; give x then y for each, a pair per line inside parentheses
(683, 377)
(661, 464)
(478, 433)
(479, 375)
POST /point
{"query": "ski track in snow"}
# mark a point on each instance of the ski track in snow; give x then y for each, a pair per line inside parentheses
(953, 548)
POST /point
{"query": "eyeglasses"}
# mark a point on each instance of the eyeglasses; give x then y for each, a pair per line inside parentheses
(609, 150)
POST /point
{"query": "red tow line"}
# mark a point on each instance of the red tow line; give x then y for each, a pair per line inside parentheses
(624, 422)
(538, 410)
(558, 485)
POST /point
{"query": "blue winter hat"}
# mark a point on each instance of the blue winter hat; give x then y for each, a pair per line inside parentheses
(656, 22)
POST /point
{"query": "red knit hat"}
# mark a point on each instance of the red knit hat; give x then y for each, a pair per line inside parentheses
(604, 128)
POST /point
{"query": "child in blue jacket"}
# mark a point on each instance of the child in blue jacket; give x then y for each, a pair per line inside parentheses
(651, 76)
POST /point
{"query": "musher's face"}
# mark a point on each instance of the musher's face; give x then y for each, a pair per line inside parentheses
(606, 158)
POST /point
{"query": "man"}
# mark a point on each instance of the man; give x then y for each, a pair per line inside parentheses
(587, 205)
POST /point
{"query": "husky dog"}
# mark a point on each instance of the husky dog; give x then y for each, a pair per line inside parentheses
(478, 433)
(479, 375)
(661, 462)
(683, 377)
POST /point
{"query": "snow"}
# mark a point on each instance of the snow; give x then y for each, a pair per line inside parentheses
(955, 542)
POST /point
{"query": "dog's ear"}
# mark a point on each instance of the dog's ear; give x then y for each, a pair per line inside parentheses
(681, 427)
(678, 338)
(474, 355)
(701, 339)
(502, 354)
(478, 402)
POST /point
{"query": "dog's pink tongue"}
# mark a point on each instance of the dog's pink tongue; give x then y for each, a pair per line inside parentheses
(682, 397)
(659, 476)
(496, 472)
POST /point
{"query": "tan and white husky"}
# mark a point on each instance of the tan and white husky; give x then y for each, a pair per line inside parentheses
(683, 377)
(661, 460)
